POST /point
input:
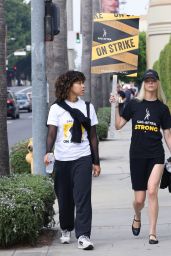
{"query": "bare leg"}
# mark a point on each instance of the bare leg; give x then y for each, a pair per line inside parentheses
(153, 185)
(138, 205)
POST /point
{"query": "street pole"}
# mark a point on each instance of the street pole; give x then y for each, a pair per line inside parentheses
(39, 90)
(111, 132)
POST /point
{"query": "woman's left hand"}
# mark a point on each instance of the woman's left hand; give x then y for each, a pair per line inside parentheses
(96, 170)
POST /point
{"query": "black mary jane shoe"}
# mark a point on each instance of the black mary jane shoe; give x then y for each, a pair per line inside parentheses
(136, 231)
(153, 241)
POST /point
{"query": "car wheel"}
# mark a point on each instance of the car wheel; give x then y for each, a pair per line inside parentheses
(14, 116)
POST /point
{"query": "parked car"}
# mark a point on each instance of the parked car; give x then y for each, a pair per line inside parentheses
(24, 102)
(12, 105)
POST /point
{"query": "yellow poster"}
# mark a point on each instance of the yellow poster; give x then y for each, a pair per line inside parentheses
(115, 44)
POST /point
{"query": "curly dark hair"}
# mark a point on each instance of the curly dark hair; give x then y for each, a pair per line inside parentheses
(65, 81)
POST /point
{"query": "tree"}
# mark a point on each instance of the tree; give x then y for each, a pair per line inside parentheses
(56, 51)
(163, 66)
(141, 61)
(4, 151)
(97, 86)
(142, 54)
(86, 21)
(18, 20)
(104, 81)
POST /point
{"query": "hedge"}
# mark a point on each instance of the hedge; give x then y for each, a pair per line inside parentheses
(102, 130)
(18, 162)
(26, 206)
(163, 67)
(103, 115)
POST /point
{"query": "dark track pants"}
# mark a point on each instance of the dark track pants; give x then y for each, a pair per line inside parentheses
(73, 190)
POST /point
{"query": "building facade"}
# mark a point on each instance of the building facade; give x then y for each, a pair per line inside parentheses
(159, 28)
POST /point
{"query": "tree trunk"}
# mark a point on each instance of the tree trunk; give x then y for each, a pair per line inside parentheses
(96, 80)
(56, 52)
(97, 86)
(86, 29)
(105, 83)
(4, 151)
(106, 89)
(96, 6)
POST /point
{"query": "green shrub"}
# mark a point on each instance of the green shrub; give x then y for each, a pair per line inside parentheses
(18, 162)
(44, 189)
(163, 67)
(104, 114)
(102, 130)
(26, 206)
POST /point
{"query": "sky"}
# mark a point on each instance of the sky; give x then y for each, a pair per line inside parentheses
(136, 7)
(76, 15)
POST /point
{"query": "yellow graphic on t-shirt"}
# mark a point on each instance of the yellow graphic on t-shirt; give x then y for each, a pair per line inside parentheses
(67, 131)
(143, 127)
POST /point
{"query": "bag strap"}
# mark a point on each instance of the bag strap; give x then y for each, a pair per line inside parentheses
(88, 108)
(88, 115)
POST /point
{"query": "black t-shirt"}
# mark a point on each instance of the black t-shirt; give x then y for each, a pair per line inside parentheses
(148, 117)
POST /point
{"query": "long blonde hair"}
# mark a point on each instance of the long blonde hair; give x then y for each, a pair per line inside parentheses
(159, 93)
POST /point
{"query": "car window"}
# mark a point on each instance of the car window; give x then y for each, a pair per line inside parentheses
(21, 97)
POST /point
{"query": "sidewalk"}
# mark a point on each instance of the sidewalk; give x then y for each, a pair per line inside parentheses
(112, 212)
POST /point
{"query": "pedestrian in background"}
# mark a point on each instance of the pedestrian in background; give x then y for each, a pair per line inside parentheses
(109, 6)
(149, 115)
(71, 132)
(121, 98)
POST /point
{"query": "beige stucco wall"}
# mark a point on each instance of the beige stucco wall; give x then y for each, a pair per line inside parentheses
(159, 28)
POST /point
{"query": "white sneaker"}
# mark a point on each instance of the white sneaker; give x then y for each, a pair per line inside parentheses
(65, 236)
(85, 243)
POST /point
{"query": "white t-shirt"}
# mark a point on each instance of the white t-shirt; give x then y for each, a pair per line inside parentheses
(65, 150)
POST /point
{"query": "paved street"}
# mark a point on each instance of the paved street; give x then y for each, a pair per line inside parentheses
(20, 89)
(19, 129)
(112, 212)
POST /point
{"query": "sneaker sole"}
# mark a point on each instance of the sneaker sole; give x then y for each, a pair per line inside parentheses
(89, 247)
(65, 242)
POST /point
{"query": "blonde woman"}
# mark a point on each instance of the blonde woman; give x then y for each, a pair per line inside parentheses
(149, 115)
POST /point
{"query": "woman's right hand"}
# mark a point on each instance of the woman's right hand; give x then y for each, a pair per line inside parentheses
(113, 98)
(46, 160)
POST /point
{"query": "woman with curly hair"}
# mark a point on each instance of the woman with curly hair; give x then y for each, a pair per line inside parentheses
(72, 132)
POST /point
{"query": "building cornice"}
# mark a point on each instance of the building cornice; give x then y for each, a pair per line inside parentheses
(160, 3)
